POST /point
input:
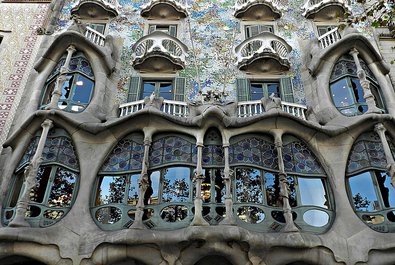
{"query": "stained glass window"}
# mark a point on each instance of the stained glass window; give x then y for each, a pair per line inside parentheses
(127, 155)
(173, 149)
(299, 159)
(253, 151)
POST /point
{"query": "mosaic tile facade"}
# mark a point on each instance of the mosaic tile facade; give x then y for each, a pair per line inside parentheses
(18, 26)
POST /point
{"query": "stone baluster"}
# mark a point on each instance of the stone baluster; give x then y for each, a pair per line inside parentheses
(380, 130)
(143, 185)
(228, 173)
(284, 187)
(30, 174)
(198, 219)
(367, 93)
(57, 93)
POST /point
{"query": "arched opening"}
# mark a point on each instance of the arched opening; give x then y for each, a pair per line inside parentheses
(369, 186)
(20, 260)
(56, 181)
(214, 259)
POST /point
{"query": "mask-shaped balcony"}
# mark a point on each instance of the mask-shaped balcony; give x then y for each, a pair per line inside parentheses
(324, 10)
(159, 52)
(95, 9)
(264, 53)
(257, 9)
(164, 9)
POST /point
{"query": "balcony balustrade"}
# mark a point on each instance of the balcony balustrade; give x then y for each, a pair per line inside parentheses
(258, 9)
(159, 51)
(95, 36)
(171, 107)
(323, 10)
(252, 108)
(164, 9)
(271, 49)
(329, 38)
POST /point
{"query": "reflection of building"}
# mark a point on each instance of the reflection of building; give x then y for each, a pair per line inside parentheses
(177, 135)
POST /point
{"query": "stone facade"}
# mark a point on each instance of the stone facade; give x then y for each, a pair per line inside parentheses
(197, 132)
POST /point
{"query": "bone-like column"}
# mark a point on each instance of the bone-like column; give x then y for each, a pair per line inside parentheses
(228, 173)
(380, 130)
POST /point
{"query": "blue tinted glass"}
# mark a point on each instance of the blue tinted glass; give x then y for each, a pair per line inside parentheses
(386, 189)
(341, 94)
(176, 184)
(67, 87)
(82, 90)
(312, 192)
(273, 88)
(133, 189)
(256, 92)
(358, 90)
(149, 87)
(165, 90)
(363, 194)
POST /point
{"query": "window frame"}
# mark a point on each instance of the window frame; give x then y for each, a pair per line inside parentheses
(162, 23)
(245, 24)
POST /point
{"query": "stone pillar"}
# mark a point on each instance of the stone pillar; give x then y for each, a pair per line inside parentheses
(380, 130)
(198, 219)
(228, 173)
(30, 178)
(367, 93)
(61, 79)
(143, 185)
(284, 187)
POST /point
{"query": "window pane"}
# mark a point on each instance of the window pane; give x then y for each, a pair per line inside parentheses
(219, 186)
(386, 189)
(363, 193)
(37, 192)
(341, 94)
(358, 90)
(273, 88)
(273, 190)
(249, 185)
(48, 93)
(176, 184)
(16, 190)
(111, 190)
(256, 92)
(133, 197)
(67, 87)
(166, 90)
(149, 87)
(312, 192)
(82, 90)
(152, 193)
(62, 188)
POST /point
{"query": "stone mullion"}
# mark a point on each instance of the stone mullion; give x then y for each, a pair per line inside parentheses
(143, 185)
(57, 93)
(30, 174)
(228, 173)
(198, 219)
(284, 188)
(367, 93)
(380, 130)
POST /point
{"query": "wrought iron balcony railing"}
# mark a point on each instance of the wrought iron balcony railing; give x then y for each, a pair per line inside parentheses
(162, 45)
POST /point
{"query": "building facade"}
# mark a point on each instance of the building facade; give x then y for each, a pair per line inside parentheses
(198, 133)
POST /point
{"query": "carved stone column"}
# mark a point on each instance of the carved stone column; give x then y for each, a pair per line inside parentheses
(228, 173)
(198, 219)
(380, 130)
(30, 178)
(284, 188)
(367, 93)
(61, 79)
(143, 185)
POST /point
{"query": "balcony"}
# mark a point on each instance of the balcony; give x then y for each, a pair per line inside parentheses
(95, 36)
(253, 108)
(329, 38)
(171, 107)
(159, 52)
(324, 10)
(95, 9)
(164, 9)
(264, 53)
(257, 9)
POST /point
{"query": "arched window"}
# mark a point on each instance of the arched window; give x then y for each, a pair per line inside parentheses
(77, 90)
(56, 181)
(346, 90)
(369, 187)
(168, 200)
(257, 200)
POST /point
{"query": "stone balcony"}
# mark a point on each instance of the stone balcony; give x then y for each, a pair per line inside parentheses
(183, 109)
(264, 53)
(159, 52)
(257, 9)
(324, 10)
(96, 9)
(164, 9)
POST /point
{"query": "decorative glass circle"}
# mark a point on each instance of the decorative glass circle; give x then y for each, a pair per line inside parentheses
(316, 218)
(251, 214)
(108, 215)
